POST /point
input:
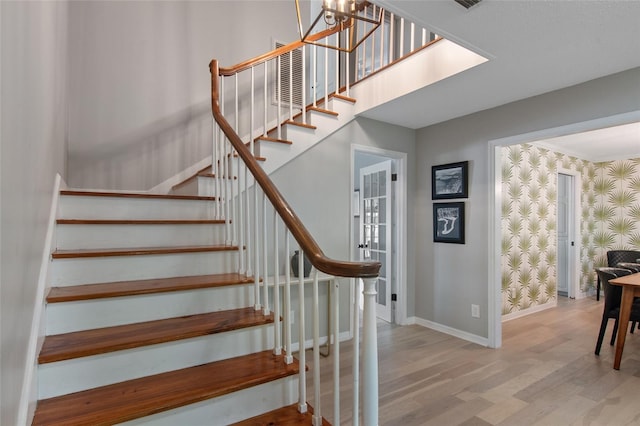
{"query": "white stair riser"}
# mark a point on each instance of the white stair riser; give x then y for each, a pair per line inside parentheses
(74, 375)
(87, 207)
(91, 270)
(229, 408)
(127, 236)
(87, 314)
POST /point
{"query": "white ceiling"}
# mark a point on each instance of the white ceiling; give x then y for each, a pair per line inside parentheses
(534, 47)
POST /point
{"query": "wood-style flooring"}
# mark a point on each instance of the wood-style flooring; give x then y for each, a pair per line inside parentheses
(546, 373)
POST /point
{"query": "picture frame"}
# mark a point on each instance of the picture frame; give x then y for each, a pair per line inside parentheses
(448, 223)
(450, 181)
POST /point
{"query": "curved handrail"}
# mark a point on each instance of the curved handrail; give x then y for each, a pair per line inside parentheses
(308, 245)
(242, 66)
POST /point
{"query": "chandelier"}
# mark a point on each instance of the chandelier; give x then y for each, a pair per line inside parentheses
(352, 20)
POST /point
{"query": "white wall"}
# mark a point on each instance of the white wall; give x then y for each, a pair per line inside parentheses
(33, 150)
(451, 276)
(317, 185)
(140, 84)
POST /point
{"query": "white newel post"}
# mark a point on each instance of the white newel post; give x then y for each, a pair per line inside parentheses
(369, 355)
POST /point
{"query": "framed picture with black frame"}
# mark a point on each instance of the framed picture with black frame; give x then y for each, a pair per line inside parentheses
(450, 181)
(448, 222)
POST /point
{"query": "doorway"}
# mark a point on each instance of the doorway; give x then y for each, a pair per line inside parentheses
(567, 226)
(378, 224)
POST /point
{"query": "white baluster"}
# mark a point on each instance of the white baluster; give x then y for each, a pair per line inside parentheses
(214, 162)
(335, 303)
(381, 30)
(347, 69)
(413, 36)
(277, 349)
(326, 77)
(424, 36)
(240, 226)
(392, 22)
(252, 114)
(373, 45)
(369, 354)
(317, 416)
(356, 351)
(337, 67)
(291, 86)
(256, 246)
(287, 298)
(265, 273)
(279, 90)
(314, 73)
(302, 359)
(401, 53)
(266, 103)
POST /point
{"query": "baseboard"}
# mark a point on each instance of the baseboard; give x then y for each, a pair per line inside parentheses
(343, 336)
(29, 393)
(473, 338)
(529, 311)
(165, 187)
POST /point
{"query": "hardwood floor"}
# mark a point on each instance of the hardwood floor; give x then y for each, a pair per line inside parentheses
(545, 374)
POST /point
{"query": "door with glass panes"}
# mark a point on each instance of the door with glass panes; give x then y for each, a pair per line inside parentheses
(375, 229)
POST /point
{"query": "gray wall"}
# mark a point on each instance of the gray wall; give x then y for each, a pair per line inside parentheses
(33, 150)
(140, 84)
(451, 277)
(317, 183)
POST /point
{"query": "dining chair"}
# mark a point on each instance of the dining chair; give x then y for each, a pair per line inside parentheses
(612, 299)
(616, 256)
(634, 268)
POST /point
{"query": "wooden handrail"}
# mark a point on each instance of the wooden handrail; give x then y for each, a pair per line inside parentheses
(308, 245)
(242, 66)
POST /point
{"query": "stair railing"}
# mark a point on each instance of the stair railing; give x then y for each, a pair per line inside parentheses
(247, 197)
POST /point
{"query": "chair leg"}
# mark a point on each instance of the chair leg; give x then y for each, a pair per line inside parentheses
(633, 326)
(598, 289)
(603, 328)
(615, 332)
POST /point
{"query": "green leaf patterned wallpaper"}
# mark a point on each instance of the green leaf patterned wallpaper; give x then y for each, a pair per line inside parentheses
(610, 219)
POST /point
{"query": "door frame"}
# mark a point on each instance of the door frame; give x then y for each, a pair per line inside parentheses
(400, 240)
(574, 256)
(495, 200)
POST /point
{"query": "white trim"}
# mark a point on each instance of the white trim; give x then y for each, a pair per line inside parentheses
(460, 334)
(574, 262)
(401, 225)
(167, 185)
(29, 393)
(495, 194)
(532, 310)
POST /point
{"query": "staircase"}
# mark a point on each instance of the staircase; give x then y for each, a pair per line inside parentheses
(145, 316)
(154, 315)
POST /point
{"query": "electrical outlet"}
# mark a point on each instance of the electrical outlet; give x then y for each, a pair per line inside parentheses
(475, 311)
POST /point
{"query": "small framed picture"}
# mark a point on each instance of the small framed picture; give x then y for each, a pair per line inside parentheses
(448, 222)
(450, 181)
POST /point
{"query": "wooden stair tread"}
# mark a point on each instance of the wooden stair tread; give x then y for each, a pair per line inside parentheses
(138, 287)
(275, 140)
(83, 343)
(140, 221)
(141, 397)
(135, 195)
(343, 97)
(285, 416)
(138, 251)
(299, 124)
(322, 110)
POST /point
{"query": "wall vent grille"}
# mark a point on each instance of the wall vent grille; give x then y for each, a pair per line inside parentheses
(289, 91)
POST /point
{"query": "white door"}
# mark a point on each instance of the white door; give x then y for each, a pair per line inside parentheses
(565, 233)
(375, 229)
